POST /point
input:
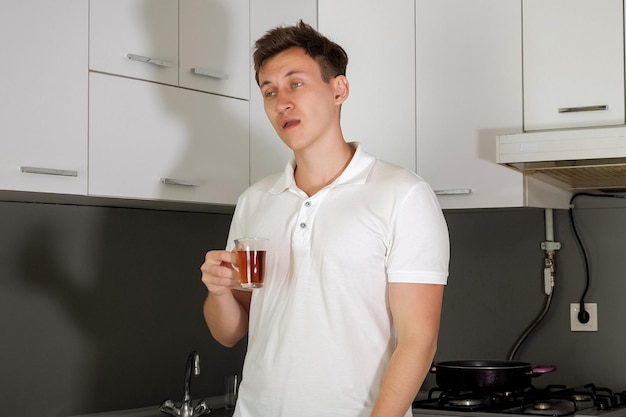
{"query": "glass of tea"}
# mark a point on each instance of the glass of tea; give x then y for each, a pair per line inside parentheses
(251, 252)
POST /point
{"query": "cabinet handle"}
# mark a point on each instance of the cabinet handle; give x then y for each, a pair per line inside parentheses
(141, 58)
(49, 171)
(583, 108)
(208, 72)
(456, 191)
(183, 183)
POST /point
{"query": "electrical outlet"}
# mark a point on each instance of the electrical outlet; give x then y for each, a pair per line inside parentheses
(591, 325)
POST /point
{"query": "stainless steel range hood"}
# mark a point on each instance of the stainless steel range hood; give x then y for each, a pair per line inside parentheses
(576, 159)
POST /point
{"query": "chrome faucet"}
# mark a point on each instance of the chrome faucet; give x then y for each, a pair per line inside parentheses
(186, 409)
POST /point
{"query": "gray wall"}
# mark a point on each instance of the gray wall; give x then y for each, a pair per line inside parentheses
(99, 307)
(496, 290)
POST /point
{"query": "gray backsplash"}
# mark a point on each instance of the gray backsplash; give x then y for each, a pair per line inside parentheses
(496, 290)
(99, 307)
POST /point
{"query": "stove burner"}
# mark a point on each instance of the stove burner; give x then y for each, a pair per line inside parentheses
(542, 405)
(466, 402)
(551, 401)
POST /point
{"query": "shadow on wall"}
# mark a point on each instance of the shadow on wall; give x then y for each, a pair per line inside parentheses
(209, 128)
(105, 305)
(100, 307)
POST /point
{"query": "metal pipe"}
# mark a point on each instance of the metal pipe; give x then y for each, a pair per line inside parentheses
(549, 273)
(549, 222)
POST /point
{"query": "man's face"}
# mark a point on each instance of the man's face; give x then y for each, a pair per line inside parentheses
(301, 106)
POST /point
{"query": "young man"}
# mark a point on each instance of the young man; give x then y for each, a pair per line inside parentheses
(346, 324)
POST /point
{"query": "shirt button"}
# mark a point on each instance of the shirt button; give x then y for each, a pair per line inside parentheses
(302, 225)
(307, 204)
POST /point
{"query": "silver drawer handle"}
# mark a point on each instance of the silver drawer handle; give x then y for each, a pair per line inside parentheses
(141, 58)
(183, 183)
(49, 171)
(208, 72)
(457, 191)
(583, 108)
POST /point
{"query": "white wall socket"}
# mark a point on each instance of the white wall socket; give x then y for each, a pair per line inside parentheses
(591, 325)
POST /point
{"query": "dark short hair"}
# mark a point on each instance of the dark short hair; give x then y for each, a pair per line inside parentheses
(331, 58)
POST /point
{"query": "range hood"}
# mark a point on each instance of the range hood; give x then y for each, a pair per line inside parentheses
(574, 159)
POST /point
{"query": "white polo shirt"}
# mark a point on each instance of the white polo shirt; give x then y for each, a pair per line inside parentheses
(321, 332)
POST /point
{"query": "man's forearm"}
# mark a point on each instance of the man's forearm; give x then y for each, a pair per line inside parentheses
(226, 318)
(403, 378)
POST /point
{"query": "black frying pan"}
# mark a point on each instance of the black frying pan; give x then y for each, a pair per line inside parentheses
(482, 374)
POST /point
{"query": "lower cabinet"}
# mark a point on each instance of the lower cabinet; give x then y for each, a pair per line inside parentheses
(152, 141)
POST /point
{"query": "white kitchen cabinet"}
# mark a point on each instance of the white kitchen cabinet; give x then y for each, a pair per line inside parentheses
(380, 43)
(432, 84)
(157, 142)
(43, 96)
(268, 154)
(197, 44)
(123, 32)
(469, 89)
(573, 63)
(214, 46)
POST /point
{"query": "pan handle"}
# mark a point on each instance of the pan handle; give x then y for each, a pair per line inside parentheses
(542, 369)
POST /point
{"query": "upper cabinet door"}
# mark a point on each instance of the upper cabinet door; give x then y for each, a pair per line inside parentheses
(43, 96)
(135, 38)
(215, 46)
(157, 142)
(469, 77)
(198, 44)
(380, 43)
(573, 63)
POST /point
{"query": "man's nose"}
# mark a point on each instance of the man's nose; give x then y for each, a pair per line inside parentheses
(283, 102)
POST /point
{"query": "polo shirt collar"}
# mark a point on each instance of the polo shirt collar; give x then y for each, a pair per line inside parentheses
(355, 173)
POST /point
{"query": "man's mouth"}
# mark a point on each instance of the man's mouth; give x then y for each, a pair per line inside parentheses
(289, 123)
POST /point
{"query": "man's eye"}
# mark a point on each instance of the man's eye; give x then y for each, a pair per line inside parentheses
(269, 94)
(296, 84)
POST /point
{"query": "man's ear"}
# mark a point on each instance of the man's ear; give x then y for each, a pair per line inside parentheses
(341, 88)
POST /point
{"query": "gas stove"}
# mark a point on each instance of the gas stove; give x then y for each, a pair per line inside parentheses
(551, 401)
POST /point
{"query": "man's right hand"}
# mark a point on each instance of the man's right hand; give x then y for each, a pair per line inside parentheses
(218, 274)
(225, 311)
